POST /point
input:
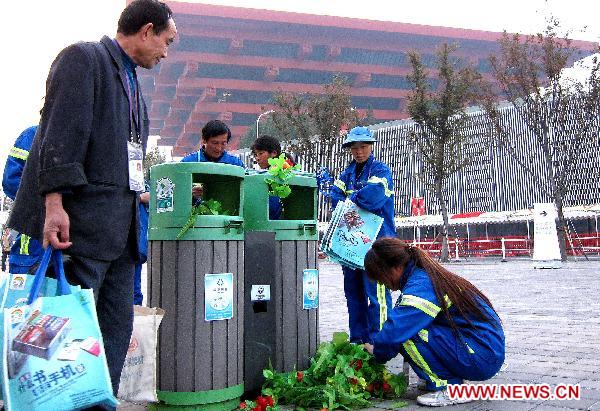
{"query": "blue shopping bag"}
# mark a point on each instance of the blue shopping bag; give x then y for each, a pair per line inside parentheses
(15, 290)
(14, 294)
(53, 353)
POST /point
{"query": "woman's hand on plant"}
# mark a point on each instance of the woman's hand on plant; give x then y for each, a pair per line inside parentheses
(369, 348)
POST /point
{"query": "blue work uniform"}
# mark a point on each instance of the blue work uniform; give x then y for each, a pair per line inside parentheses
(200, 157)
(138, 296)
(275, 208)
(372, 190)
(418, 329)
(25, 251)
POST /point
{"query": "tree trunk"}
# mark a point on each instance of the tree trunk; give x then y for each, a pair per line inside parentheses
(440, 197)
(556, 191)
(561, 226)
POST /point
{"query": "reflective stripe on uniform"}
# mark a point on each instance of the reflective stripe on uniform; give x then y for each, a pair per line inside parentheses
(24, 249)
(382, 181)
(340, 184)
(469, 349)
(424, 334)
(18, 153)
(382, 304)
(413, 353)
(422, 304)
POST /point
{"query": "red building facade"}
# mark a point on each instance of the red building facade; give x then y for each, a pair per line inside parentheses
(228, 61)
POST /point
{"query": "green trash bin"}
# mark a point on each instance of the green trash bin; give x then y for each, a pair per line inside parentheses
(277, 325)
(199, 359)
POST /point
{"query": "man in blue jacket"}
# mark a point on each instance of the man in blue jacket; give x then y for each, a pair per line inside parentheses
(215, 137)
(368, 183)
(25, 252)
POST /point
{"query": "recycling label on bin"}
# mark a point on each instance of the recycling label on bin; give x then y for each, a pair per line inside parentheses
(260, 292)
(218, 296)
(164, 195)
(310, 288)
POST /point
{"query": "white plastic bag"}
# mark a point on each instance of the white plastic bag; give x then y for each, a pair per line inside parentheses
(138, 378)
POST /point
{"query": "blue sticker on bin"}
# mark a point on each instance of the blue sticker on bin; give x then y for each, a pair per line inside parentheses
(218, 296)
(310, 288)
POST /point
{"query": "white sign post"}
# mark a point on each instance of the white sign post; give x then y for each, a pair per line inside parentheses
(546, 252)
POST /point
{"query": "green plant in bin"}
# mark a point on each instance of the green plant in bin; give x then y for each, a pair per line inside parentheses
(281, 170)
(341, 375)
(207, 207)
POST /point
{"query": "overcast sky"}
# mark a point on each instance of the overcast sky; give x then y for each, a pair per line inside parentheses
(37, 31)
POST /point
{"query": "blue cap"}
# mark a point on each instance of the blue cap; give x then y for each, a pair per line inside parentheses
(358, 134)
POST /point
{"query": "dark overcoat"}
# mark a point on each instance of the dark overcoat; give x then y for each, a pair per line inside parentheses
(80, 150)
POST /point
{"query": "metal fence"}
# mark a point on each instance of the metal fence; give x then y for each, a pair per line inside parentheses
(494, 180)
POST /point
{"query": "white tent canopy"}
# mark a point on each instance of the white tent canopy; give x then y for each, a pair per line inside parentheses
(579, 212)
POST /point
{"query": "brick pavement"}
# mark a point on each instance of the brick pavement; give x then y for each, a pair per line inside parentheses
(551, 320)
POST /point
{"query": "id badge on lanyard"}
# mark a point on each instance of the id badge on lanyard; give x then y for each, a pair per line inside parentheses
(136, 169)
(134, 148)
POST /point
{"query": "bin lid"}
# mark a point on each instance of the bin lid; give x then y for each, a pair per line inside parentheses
(171, 200)
(300, 208)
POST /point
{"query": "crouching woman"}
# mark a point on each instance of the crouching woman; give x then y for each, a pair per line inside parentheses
(442, 324)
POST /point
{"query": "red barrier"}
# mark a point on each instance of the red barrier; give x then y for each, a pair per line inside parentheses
(514, 246)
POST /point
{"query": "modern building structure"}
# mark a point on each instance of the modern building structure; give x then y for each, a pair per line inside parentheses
(228, 61)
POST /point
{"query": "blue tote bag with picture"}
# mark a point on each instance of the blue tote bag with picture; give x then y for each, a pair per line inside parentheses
(52, 351)
(14, 294)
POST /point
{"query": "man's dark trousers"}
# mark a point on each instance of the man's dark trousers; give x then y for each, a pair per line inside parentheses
(112, 282)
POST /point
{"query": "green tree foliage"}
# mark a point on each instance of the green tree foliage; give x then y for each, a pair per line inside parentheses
(562, 114)
(440, 136)
(152, 158)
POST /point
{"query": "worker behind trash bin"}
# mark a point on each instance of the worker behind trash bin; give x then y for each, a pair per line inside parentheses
(368, 183)
(445, 328)
(264, 148)
(215, 137)
(25, 252)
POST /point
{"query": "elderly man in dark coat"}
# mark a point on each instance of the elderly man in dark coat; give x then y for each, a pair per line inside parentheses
(81, 183)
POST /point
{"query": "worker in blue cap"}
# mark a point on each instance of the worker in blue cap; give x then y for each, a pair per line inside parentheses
(368, 183)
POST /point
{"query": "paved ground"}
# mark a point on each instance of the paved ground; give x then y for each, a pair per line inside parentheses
(551, 320)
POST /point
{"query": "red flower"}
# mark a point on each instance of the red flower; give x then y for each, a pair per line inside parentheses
(261, 401)
(257, 408)
(270, 401)
(242, 405)
(370, 388)
(358, 365)
(352, 380)
(299, 376)
(386, 387)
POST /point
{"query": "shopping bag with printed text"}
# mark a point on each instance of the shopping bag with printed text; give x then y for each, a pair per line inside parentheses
(53, 353)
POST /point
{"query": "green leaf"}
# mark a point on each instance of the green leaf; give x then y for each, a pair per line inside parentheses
(207, 207)
(268, 374)
(282, 173)
(340, 337)
(334, 379)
